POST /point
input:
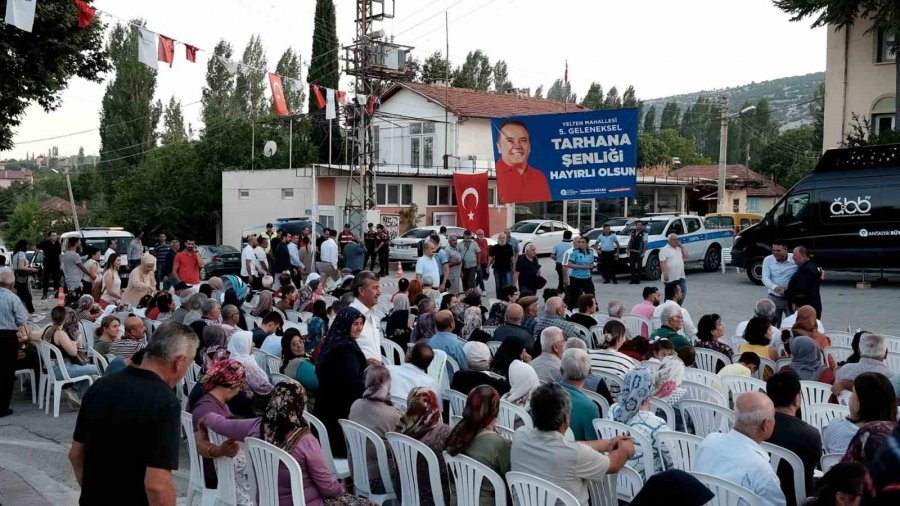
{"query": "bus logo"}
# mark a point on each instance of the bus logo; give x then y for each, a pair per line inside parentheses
(842, 206)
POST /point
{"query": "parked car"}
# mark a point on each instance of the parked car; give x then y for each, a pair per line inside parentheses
(617, 224)
(219, 260)
(544, 234)
(734, 221)
(408, 246)
(99, 237)
(703, 246)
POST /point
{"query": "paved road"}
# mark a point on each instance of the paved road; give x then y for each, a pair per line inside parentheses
(34, 468)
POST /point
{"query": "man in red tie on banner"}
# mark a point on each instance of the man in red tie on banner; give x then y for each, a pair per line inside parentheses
(516, 180)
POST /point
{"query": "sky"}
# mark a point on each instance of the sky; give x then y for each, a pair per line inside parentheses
(660, 47)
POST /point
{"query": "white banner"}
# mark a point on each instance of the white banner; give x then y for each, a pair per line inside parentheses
(330, 109)
(147, 48)
(20, 13)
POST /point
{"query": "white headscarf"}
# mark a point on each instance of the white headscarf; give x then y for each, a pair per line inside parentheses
(240, 344)
(478, 355)
(312, 276)
(523, 380)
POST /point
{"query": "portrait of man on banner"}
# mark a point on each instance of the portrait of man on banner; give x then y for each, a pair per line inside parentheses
(516, 180)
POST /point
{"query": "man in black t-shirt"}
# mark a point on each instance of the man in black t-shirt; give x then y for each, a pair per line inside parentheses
(501, 258)
(791, 432)
(127, 435)
(371, 240)
(52, 250)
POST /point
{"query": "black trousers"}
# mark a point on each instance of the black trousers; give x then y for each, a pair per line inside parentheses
(9, 349)
(577, 288)
(608, 265)
(369, 259)
(635, 260)
(383, 261)
(50, 274)
(24, 293)
(561, 287)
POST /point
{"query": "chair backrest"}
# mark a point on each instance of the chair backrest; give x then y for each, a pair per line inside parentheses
(782, 363)
(820, 415)
(893, 362)
(628, 483)
(892, 343)
(604, 491)
(701, 392)
(399, 402)
(273, 364)
(509, 412)
(703, 377)
(506, 432)
(726, 493)
(50, 354)
(637, 325)
(529, 490)
(468, 474)
(457, 401)
(839, 353)
(407, 452)
(706, 416)
(765, 363)
(613, 382)
(840, 338)
(87, 331)
(777, 454)
(393, 352)
(324, 441)
(489, 329)
(652, 365)
(279, 378)
(187, 426)
(812, 392)
(193, 372)
(453, 367)
(596, 336)
(438, 367)
(494, 346)
(681, 447)
(227, 493)
(583, 332)
(599, 400)
(358, 440)
(736, 385)
(98, 360)
(829, 460)
(293, 316)
(708, 359)
(266, 459)
(608, 429)
(657, 405)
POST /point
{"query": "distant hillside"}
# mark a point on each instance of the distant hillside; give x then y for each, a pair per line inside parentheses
(780, 93)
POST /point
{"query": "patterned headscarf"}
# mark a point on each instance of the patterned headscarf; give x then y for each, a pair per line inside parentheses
(805, 358)
(523, 380)
(471, 321)
(225, 373)
(70, 325)
(264, 304)
(314, 333)
(235, 283)
(283, 424)
(669, 376)
(378, 384)
(482, 407)
(339, 333)
(85, 302)
(423, 413)
(637, 390)
(213, 337)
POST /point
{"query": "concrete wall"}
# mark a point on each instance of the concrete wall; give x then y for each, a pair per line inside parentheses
(265, 202)
(854, 81)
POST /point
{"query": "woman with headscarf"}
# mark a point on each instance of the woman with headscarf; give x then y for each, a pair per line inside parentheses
(189, 312)
(497, 314)
(240, 347)
(806, 360)
(508, 351)
(263, 304)
(471, 330)
(212, 338)
(523, 380)
(667, 385)
(241, 289)
(476, 436)
(376, 412)
(397, 328)
(218, 288)
(478, 356)
(141, 281)
(633, 410)
(339, 367)
(295, 363)
(315, 331)
(85, 309)
(283, 425)
(806, 325)
(422, 422)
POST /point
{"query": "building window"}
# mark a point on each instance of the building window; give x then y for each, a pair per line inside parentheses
(753, 204)
(882, 123)
(441, 196)
(243, 194)
(326, 221)
(884, 52)
(736, 205)
(393, 194)
(421, 148)
(376, 144)
(492, 197)
(287, 193)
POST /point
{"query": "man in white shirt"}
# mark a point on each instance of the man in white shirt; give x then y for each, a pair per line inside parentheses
(367, 289)
(110, 249)
(261, 260)
(248, 260)
(673, 297)
(414, 373)
(736, 456)
(671, 262)
(426, 266)
(777, 271)
(328, 266)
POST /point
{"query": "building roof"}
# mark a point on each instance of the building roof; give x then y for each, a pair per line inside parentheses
(482, 104)
(756, 184)
(16, 175)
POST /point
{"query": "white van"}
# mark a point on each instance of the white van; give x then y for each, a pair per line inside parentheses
(99, 237)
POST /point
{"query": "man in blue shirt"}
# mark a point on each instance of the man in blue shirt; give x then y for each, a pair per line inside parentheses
(13, 333)
(608, 243)
(777, 271)
(558, 252)
(448, 342)
(426, 265)
(579, 262)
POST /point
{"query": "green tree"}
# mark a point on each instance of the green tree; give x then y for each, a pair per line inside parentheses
(562, 91)
(789, 156)
(289, 69)
(593, 99)
(475, 73)
(128, 116)
(173, 123)
(629, 98)
(502, 84)
(650, 119)
(324, 71)
(218, 93)
(251, 80)
(435, 68)
(651, 150)
(539, 92)
(817, 110)
(669, 118)
(884, 14)
(612, 100)
(38, 65)
(30, 221)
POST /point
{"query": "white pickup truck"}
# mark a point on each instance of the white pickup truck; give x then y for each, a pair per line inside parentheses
(703, 245)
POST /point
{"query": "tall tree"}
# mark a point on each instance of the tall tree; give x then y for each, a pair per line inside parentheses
(37, 65)
(629, 98)
(289, 69)
(650, 119)
(669, 117)
(561, 91)
(251, 81)
(884, 14)
(173, 123)
(817, 110)
(324, 71)
(612, 100)
(593, 99)
(435, 68)
(218, 93)
(502, 84)
(539, 92)
(128, 116)
(475, 73)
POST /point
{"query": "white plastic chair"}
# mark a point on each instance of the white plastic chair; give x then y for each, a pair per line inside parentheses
(596, 336)
(489, 330)
(706, 416)
(893, 362)
(820, 415)
(266, 460)
(599, 400)
(703, 377)
(726, 493)
(98, 360)
(608, 429)
(628, 483)
(529, 490)
(21, 374)
(340, 468)
(736, 385)
(399, 402)
(657, 404)
(782, 363)
(87, 331)
(505, 432)
(195, 480)
(457, 402)
(448, 375)
(708, 359)
(57, 377)
(584, 333)
(702, 392)
(604, 492)
(840, 338)
(651, 365)
(438, 367)
(829, 460)
(777, 454)
(280, 378)
(227, 491)
(682, 448)
(613, 382)
(273, 364)
(494, 346)
(358, 440)
(509, 412)
(393, 352)
(765, 363)
(293, 316)
(839, 353)
(193, 373)
(637, 325)
(407, 452)
(812, 392)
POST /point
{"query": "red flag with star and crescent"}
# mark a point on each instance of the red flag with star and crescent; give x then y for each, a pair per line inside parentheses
(472, 201)
(279, 104)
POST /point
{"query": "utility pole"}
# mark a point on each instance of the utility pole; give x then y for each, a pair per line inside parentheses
(723, 155)
(72, 201)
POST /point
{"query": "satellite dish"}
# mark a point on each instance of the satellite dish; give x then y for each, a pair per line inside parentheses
(269, 148)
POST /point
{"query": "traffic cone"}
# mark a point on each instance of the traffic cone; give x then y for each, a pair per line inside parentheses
(399, 269)
(60, 297)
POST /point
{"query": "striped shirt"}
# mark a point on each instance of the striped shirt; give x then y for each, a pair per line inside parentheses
(125, 348)
(611, 361)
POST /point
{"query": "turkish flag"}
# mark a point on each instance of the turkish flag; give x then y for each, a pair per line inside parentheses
(279, 104)
(190, 52)
(317, 93)
(86, 13)
(166, 50)
(472, 201)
